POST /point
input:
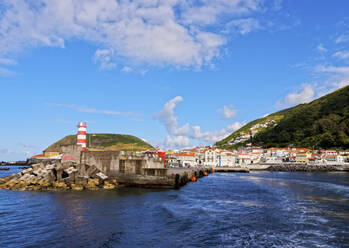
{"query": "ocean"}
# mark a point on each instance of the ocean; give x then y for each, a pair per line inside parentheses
(258, 209)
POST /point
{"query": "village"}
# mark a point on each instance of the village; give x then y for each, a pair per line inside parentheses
(215, 157)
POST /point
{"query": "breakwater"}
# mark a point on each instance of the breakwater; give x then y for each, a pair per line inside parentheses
(48, 176)
(307, 167)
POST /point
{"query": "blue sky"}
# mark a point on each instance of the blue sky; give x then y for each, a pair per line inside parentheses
(176, 73)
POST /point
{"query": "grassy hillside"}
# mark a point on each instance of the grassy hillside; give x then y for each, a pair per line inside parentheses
(322, 123)
(105, 141)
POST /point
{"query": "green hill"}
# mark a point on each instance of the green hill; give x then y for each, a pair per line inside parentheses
(105, 141)
(322, 123)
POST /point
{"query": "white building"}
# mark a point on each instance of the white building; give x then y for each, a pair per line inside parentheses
(211, 159)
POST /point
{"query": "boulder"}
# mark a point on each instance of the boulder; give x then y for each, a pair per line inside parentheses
(44, 183)
(92, 171)
(26, 177)
(50, 166)
(67, 164)
(27, 171)
(81, 180)
(40, 173)
(76, 187)
(71, 170)
(92, 184)
(59, 185)
(10, 184)
(101, 176)
(107, 185)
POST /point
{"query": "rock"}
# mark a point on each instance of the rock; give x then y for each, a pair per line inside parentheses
(92, 184)
(44, 183)
(71, 170)
(38, 166)
(27, 171)
(77, 187)
(33, 181)
(2, 180)
(50, 166)
(114, 181)
(26, 177)
(10, 184)
(33, 188)
(92, 171)
(81, 180)
(40, 172)
(101, 176)
(67, 164)
(59, 185)
(107, 185)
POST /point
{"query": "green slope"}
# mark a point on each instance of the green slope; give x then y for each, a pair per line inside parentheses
(322, 123)
(105, 141)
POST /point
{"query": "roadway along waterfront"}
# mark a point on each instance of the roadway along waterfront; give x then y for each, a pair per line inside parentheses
(256, 209)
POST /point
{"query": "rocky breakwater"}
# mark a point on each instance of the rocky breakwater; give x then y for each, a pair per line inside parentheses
(58, 176)
(304, 167)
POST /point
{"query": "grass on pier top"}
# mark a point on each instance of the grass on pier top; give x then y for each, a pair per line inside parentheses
(105, 141)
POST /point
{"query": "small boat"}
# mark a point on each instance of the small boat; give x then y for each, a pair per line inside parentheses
(4, 169)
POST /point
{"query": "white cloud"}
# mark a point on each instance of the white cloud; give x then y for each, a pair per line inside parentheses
(341, 72)
(157, 33)
(205, 12)
(207, 136)
(180, 137)
(235, 126)
(126, 69)
(342, 38)
(341, 55)
(243, 26)
(227, 112)
(84, 109)
(336, 77)
(321, 48)
(332, 78)
(6, 61)
(167, 117)
(104, 58)
(214, 136)
(20, 151)
(305, 95)
(5, 72)
(177, 142)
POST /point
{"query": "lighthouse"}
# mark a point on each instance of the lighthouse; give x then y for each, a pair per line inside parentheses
(81, 138)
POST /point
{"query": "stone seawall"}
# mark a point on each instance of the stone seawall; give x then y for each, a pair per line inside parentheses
(304, 167)
(47, 176)
(57, 175)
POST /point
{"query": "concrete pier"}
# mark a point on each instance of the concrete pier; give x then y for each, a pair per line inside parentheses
(102, 170)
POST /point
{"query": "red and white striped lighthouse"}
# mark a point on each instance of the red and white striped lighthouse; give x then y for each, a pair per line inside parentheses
(81, 139)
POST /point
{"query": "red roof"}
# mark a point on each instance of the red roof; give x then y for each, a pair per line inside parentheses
(38, 156)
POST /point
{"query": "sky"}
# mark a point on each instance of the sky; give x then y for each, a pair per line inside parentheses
(176, 73)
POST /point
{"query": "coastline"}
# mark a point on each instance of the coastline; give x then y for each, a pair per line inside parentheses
(297, 167)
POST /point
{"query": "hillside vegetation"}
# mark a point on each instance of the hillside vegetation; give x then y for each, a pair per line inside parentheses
(105, 141)
(322, 123)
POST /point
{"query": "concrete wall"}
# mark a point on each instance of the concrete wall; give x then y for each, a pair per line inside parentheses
(71, 150)
(119, 163)
(106, 161)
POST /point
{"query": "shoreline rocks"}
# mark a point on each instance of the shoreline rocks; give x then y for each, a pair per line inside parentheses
(58, 177)
(303, 168)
